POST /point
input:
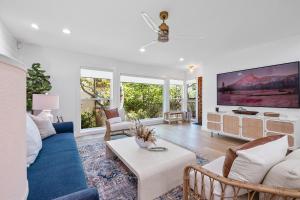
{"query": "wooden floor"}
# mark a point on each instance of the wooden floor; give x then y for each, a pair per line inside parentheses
(191, 137)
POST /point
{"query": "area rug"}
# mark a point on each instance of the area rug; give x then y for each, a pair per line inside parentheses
(111, 177)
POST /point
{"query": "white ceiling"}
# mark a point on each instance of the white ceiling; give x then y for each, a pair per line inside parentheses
(114, 28)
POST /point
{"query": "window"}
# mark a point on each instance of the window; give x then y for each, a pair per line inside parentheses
(142, 97)
(176, 91)
(95, 93)
(191, 97)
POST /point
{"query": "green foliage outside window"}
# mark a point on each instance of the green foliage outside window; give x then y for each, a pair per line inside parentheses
(175, 97)
(191, 104)
(95, 96)
(142, 100)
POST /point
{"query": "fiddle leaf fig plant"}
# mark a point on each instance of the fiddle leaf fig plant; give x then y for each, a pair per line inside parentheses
(37, 83)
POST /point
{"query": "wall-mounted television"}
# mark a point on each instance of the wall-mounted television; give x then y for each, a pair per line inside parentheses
(272, 86)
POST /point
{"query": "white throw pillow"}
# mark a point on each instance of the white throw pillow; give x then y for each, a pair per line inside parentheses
(115, 120)
(122, 114)
(44, 125)
(252, 165)
(33, 140)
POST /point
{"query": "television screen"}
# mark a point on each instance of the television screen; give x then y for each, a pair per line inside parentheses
(272, 86)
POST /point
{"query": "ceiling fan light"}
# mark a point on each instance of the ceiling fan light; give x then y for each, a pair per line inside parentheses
(192, 68)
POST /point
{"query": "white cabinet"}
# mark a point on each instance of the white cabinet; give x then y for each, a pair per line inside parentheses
(249, 127)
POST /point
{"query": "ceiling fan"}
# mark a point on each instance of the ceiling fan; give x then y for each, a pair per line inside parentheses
(162, 30)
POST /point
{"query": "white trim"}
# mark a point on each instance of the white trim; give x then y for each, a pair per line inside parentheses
(141, 76)
(140, 79)
(93, 73)
(12, 61)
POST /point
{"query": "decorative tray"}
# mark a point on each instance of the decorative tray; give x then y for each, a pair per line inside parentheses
(244, 112)
(157, 149)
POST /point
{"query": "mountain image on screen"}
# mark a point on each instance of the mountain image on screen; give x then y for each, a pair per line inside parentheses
(274, 86)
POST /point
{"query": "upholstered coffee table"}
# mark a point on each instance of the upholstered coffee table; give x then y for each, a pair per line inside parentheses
(157, 172)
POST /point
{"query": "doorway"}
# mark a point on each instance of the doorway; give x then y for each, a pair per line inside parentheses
(199, 100)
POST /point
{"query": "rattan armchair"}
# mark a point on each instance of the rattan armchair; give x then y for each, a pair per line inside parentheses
(254, 191)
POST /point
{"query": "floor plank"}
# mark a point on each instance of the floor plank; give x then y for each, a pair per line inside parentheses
(192, 137)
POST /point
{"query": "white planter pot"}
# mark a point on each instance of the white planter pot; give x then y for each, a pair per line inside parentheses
(142, 143)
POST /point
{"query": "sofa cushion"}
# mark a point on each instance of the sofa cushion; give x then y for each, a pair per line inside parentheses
(57, 170)
(121, 126)
(231, 152)
(252, 165)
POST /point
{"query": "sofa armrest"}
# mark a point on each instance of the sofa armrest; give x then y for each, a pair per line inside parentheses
(64, 127)
(86, 194)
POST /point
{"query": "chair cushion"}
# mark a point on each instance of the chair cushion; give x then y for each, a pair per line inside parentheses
(115, 120)
(293, 155)
(286, 173)
(216, 167)
(121, 126)
(231, 152)
(57, 170)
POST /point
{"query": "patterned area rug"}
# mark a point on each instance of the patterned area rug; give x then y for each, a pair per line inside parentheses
(111, 177)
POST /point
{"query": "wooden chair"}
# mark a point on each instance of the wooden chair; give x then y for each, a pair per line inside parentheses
(120, 128)
(117, 129)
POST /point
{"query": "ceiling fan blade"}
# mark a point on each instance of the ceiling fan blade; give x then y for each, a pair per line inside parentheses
(149, 44)
(187, 37)
(149, 21)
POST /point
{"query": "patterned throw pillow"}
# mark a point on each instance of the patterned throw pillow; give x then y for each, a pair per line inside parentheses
(112, 113)
(44, 125)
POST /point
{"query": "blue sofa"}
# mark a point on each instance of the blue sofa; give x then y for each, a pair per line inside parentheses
(57, 172)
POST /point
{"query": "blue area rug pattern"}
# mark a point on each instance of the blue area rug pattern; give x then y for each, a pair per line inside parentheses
(111, 177)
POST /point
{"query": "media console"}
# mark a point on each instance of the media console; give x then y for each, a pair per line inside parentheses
(252, 127)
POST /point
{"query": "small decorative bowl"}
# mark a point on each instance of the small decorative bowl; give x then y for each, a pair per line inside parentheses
(141, 143)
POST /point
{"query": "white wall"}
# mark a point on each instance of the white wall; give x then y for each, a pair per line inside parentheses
(64, 69)
(8, 44)
(282, 51)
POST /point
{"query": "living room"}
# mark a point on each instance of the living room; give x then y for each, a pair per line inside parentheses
(112, 100)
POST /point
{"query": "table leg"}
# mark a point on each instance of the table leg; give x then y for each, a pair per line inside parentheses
(109, 153)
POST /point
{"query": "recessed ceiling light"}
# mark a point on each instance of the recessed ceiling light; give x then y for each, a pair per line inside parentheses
(66, 31)
(142, 50)
(35, 26)
(181, 59)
